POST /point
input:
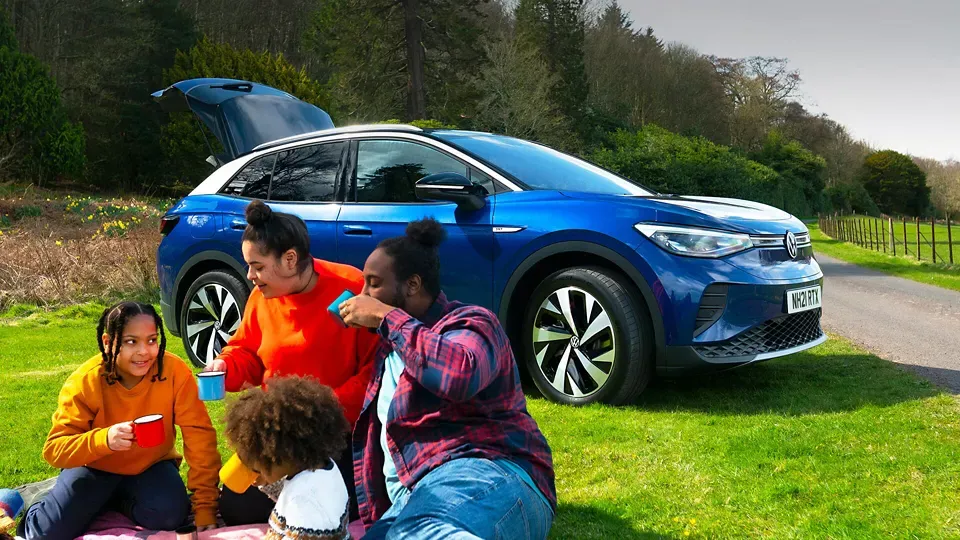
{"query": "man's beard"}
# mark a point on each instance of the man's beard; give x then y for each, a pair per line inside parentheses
(399, 299)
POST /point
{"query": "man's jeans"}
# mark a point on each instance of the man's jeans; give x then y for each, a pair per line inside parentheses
(467, 498)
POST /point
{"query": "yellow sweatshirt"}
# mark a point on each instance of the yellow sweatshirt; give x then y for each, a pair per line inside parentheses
(88, 406)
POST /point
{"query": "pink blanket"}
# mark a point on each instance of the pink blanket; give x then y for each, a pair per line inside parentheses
(116, 526)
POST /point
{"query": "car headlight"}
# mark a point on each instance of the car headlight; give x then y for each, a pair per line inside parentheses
(692, 242)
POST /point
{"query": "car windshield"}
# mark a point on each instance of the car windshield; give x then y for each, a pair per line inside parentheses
(540, 167)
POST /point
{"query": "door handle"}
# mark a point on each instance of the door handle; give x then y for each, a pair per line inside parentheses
(357, 230)
(238, 224)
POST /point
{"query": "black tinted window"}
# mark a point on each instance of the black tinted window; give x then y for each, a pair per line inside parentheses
(307, 174)
(252, 181)
(388, 170)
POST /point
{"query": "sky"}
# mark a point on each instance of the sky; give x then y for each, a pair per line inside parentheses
(887, 70)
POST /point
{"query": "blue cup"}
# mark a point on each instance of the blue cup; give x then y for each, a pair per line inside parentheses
(334, 308)
(11, 504)
(212, 385)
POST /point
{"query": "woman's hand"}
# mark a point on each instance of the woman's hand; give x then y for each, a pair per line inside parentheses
(120, 436)
(217, 364)
(206, 527)
(363, 312)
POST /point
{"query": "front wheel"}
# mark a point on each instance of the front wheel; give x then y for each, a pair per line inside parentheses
(211, 314)
(586, 338)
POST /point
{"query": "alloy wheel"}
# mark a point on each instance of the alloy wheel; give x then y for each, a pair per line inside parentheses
(213, 316)
(574, 342)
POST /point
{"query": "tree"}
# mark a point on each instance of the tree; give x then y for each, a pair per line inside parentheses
(944, 181)
(895, 183)
(182, 142)
(759, 88)
(517, 99)
(8, 38)
(399, 58)
(36, 139)
(621, 66)
(555, 29)
(801, 172)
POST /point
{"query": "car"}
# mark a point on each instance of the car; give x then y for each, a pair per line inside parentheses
(600, 282)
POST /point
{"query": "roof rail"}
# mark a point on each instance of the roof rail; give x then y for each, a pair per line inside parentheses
(334, 131)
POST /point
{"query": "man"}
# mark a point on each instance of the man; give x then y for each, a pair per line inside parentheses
(444, 445)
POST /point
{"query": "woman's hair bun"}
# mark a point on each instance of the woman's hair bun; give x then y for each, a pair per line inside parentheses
(427, 232)
(258, 213)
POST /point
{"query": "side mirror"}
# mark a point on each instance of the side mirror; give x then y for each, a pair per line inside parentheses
(450, 186)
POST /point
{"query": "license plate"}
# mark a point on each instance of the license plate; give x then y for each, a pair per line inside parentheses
(803, 299)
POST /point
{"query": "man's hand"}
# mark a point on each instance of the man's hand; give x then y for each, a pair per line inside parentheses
(363, 312)
(217, 364)
(120, 436)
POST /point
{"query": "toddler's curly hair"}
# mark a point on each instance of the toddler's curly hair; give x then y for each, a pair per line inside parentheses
(297, 421)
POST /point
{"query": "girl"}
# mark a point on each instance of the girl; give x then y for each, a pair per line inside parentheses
(92, 439)
(290, 434)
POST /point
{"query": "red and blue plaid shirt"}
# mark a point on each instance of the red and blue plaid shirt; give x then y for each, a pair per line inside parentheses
(459, 396)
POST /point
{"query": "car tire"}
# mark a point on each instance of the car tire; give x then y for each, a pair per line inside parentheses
(210, 314)
(606, 350)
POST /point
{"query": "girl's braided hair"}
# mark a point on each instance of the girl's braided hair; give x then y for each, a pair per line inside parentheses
(112, 323)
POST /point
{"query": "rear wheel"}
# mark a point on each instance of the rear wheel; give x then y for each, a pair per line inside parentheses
(587, 339)
(211, 314)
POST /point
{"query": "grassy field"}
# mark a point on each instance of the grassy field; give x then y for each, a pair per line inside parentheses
(835, 443)
(905, 267)
(874, 233)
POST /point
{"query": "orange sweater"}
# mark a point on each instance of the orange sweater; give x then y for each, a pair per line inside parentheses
(88, 406)
(295, 335)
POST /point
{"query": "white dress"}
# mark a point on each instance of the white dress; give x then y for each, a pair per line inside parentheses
(313, 505)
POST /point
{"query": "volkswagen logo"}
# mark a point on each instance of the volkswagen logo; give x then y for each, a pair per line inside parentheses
(790, 241)
(575, 342)
(216, 325)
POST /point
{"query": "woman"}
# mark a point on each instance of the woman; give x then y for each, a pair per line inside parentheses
(286, 330)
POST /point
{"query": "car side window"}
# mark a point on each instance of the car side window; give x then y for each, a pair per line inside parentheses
(253, 181)
(387, 170)
(486, 183)
(308, 173)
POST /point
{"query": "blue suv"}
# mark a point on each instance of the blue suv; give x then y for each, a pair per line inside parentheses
(600, 283)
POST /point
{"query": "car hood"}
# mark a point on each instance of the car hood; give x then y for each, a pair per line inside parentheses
(736, 215)
(241, 114)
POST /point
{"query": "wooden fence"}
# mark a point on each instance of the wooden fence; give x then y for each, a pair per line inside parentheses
(925, 240)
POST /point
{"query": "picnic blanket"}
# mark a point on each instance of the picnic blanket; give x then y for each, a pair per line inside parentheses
(116, 526)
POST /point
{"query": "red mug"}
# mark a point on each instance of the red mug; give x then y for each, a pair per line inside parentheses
(148, 430)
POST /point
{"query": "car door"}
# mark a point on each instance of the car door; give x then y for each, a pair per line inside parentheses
(302, 181)
(382, 201)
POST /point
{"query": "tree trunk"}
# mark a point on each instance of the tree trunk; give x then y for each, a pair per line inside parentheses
(413, 32)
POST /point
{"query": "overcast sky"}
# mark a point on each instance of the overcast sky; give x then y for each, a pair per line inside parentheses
(887, 70)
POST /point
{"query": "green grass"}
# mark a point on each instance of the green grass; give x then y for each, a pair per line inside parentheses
(925, 272)
(833, 443)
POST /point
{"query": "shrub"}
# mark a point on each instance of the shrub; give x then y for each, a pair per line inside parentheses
(671, 163)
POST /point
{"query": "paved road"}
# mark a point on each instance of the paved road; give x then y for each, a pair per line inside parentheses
(910, 323)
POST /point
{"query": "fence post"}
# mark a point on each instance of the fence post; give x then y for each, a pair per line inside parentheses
(905, 250)
(893, 237)
(933, 237)
(863, 233)
(870, 233)
(949, 238)
(883, 232)
(918, 238)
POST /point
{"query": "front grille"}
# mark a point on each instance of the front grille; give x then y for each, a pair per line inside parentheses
(778, 334)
